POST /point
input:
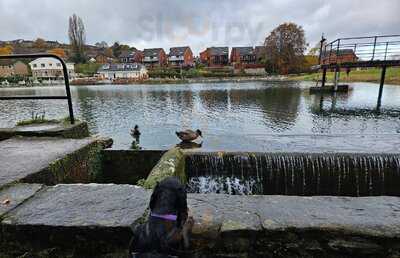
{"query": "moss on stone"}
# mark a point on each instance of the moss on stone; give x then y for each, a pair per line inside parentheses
(171, 163)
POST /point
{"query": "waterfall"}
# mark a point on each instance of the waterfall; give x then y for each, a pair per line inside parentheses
(294, 174)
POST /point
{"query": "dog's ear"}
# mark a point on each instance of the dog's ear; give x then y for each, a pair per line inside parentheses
(154, 196)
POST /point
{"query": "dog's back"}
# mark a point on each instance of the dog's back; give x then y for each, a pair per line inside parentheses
(165, 231)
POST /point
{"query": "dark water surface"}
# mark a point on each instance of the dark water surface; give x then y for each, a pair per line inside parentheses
(256, 116)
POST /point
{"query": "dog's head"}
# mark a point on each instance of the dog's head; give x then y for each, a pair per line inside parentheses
(169, 197)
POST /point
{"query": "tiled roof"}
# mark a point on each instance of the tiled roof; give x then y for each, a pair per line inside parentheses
(120, 67)
(244, 51)
(6, 62)
(219, 51)
(127, 53)
(177, 51)
(152, 52)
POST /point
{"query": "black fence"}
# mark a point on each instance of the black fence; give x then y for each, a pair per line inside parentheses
(361, 49)
(65, 72)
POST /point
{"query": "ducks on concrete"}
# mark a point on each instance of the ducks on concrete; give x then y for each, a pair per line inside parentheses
(135, 133)
(189, 135)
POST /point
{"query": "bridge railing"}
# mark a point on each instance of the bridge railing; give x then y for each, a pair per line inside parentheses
(361, 49)
(66, 80)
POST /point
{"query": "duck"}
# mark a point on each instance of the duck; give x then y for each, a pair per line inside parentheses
(135, 133)
(189, 135)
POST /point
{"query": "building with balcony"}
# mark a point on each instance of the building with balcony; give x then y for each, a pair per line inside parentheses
(153, 57)
(180, 57)
(50, 69)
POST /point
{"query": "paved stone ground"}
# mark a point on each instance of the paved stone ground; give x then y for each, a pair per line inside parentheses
(14, 195)
(23, 156)
(98, 218)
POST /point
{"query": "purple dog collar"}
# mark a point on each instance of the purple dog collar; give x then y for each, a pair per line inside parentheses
(171, 217)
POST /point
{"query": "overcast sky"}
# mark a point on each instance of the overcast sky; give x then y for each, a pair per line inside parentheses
(197, 23)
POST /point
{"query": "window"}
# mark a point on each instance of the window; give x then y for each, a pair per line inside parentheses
(35, 65)
(42, 65)
(50, 64)
(58, 64)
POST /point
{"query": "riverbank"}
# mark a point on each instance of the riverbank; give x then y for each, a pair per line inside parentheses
(369, 75)
(161, 81)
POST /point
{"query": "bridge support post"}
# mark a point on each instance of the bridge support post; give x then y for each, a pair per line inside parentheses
(323, 77)
(337, 71)
(383, 75)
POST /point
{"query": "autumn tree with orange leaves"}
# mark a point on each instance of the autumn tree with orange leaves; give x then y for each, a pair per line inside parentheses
(285, 48)
(58, 52)
(7, 50)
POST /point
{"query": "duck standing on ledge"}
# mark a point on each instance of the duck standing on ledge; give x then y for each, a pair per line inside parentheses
(135, 133)
(189, 135)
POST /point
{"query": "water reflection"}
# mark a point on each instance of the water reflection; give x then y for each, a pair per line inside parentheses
(232, 116)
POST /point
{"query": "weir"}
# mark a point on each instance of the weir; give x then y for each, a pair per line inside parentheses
(294, 174)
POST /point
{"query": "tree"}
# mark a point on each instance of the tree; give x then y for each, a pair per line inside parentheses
(7, 50)
(118, 48)
(77, 38)
(108, 52)
(58, 52)
(285, 48)
(39, 43)
(102, 44)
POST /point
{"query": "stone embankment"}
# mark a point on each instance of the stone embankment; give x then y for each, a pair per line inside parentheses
(95, 220)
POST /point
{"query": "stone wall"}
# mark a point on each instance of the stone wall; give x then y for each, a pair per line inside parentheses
(81, 166)
(127, 166)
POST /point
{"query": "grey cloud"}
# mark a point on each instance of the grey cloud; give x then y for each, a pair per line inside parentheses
(162, 23)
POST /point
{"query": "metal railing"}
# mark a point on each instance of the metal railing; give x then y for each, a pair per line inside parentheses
(65, 73)
(361, 49)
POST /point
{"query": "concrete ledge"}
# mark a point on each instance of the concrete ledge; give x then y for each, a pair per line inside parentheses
(80, 219)
(329, 89)
(55, 129)
(96, 220)
(172, 163)
(49, 160)
(127, 166)
(14, 195)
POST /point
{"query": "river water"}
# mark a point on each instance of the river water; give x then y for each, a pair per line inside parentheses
(256, 116)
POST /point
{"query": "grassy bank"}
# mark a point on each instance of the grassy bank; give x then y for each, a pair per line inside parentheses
(369, 75)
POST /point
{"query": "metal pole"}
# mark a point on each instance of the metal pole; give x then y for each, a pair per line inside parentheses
(323, 77)
(373, 52)
(335, 87)
(68, 90)
(381, 87)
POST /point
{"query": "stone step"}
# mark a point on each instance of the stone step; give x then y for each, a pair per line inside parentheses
(30, 159)
(94, 219)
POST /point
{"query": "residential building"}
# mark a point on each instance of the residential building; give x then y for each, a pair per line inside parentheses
(154, 57)
(341, 56)
(131, 56)
(133, 71)
(243, 55)
(215, 56)
(9, 68)
(180, 57)
(103, 59)
(50, 68)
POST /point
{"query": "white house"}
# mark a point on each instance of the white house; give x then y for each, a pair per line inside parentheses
(50, 68)
(123, 71)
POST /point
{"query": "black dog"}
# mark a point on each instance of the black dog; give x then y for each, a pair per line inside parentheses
(168, 227)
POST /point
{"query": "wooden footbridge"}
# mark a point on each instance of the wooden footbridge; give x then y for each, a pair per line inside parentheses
(359, 52)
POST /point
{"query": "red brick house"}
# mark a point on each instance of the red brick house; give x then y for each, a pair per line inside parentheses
(215, 56)
(131, 56)
(154, 57)
(180, 57)
(341, 56)
(243, 56)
